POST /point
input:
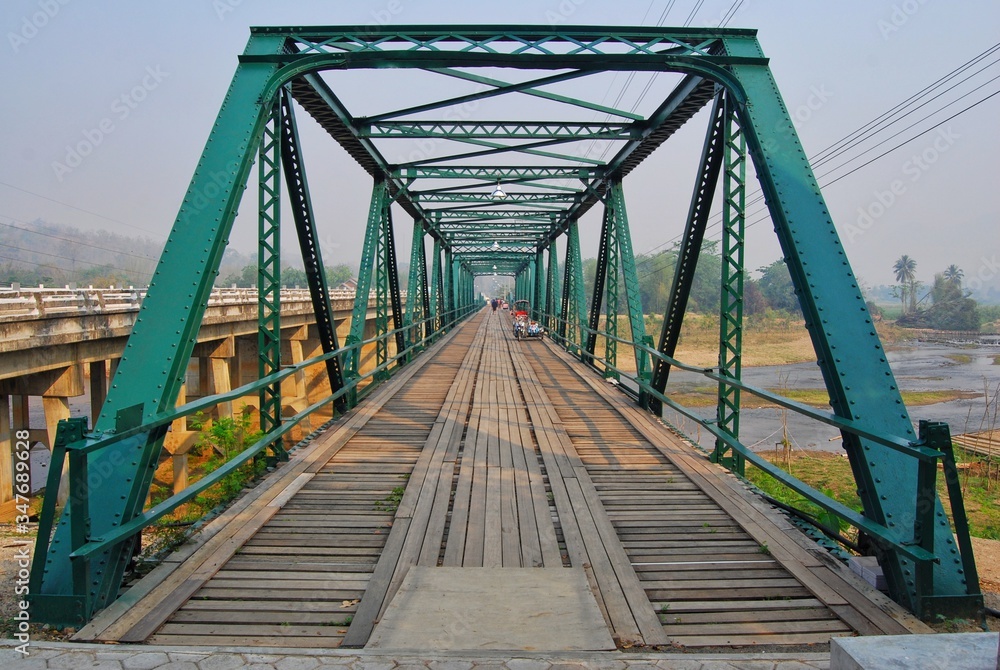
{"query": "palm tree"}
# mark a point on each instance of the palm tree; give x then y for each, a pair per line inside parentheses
(954, 274)
(905, 269)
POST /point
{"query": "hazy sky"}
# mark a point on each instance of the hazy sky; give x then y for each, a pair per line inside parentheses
(139, 84)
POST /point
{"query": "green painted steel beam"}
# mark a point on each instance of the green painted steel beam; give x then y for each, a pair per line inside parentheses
(731, 299)
(445, 214)
(548, 95)
(417, 307)
(498, 148)
(700, 207)
(369, 260)
(154, 362)
(511, 197)
(513, 207)
(491, 173)
(488, 130)
(849, 352)
(630, 279)
(501, 88)
(573, 315)
(269, 273)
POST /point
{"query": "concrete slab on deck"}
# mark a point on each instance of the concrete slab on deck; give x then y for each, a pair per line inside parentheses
(475, 609)
(961, 651)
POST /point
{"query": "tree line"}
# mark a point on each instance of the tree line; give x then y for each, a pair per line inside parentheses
(947, 305)
(769, 288)
(290, 277)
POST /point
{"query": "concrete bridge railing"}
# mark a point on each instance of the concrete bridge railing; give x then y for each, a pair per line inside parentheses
(58, 344)
(20, 303)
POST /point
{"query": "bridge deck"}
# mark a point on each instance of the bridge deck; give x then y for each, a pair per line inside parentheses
(495, 453)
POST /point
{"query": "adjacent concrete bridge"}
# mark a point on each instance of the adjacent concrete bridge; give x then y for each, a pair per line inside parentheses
(57, 344)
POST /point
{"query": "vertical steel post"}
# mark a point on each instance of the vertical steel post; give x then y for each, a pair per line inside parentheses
(395, 295)
(449, 288)
(269, 273)
(611, 301)
(597, 299)
(574, 309)
(731, 305)
(538, 295)
(416, 287)
(369, 256)
(552, 292)
(437, 288)
(424, 297)
(630, 277)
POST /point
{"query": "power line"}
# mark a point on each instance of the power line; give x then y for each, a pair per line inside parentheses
(65, 258)
(923, 132)
(901, 105)
(71, 241)
(853, 139)
(728, 16)
(66, 204)
(872, 133)
(883, 154)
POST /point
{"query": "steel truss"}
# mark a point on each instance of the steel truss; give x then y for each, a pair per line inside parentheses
(548, 181)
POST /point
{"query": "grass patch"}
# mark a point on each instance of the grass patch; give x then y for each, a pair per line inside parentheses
(959, 359)
(705, 396)
(220, 440)
(831, 474)
(996, 360)
(391, 502)
(773, 338)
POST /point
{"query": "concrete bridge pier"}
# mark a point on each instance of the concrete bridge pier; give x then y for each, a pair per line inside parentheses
(178, 442)
(55, 387)
(214, 374)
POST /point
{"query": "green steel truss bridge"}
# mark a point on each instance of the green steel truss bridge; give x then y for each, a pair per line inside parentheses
(503, 196)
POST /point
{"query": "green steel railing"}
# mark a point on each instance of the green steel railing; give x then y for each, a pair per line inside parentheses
(933, 446)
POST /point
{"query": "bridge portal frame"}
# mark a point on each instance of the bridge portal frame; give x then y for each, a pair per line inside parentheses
(925, 570)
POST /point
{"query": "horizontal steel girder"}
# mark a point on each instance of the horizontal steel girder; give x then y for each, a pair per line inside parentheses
(537, 130)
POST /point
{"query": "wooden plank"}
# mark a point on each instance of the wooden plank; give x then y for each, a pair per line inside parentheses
(781, 542)
(627, 606)
(626, 629)
(118, 618)
(413, 516)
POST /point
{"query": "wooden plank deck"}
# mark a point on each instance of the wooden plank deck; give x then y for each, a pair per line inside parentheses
(492, 452)
(720, 567)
